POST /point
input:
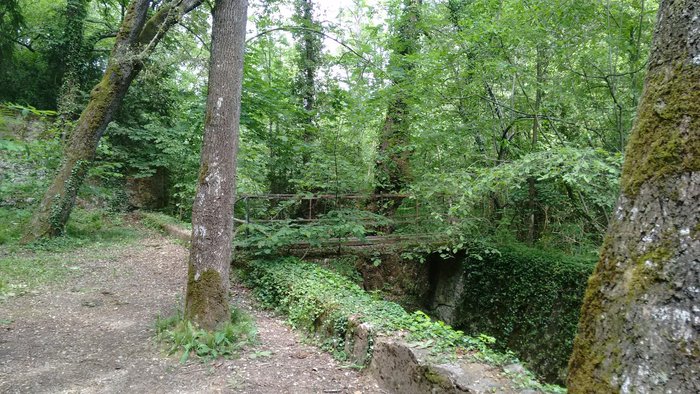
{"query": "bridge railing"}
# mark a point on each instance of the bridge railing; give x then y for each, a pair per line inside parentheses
(301, 220)
(309, 208)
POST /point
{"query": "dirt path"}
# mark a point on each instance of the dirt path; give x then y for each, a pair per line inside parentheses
(93, 333)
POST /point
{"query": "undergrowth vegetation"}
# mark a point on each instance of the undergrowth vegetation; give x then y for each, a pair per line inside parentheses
(317, 300)
(323, 303)
(184, 337)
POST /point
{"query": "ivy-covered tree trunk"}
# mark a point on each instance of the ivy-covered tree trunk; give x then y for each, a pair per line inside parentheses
(136, 38)
(309, 52)
(640, 321)
(206, 302)
(394, 154)
(76, 11)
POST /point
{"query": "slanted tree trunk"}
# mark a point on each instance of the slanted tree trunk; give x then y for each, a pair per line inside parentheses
(206, 302)
(392, 171)
(137, 37)
(640, 322)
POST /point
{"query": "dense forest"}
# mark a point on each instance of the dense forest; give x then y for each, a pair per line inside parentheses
(500, 118)
(491, 133)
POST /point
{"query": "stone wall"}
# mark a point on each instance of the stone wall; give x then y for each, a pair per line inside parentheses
(527, 299)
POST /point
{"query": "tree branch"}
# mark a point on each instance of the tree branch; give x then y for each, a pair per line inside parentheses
(166, 16)
(28, 46)
(293, 28)
(200, 39)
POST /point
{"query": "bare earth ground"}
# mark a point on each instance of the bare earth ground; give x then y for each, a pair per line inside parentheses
(93, 333)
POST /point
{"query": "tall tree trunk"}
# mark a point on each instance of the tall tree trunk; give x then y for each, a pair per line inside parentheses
(639, 329)
(309, 52)
(394, 154)
(535, 216)
(309, 48)
(76, 11)
(206, 301)
(136, 38)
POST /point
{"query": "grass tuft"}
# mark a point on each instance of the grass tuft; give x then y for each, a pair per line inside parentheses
(186, 338)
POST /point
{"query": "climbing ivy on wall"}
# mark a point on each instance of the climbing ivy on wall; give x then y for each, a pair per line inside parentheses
(529, 300)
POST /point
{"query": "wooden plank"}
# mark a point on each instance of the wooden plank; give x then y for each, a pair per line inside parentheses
(319, 196)
(370, 240)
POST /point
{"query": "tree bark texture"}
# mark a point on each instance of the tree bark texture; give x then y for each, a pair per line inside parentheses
(137, 37)
(206, 300)
(640, 322)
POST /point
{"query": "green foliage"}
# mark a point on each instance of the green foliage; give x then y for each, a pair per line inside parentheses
(184, 336)
(495, 98)
(158, 130)
(529, 300)
(266, 239)
(577, 189)
(311, 297)
(11, 20)
(37, 56)
(29, 110)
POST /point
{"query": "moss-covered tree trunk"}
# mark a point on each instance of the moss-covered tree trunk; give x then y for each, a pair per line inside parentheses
(76, 12)
(137, 37)
(206, 301)
(640, 321)
(79, 153)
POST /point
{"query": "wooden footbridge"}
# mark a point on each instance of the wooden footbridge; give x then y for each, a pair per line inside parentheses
(385, 219)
